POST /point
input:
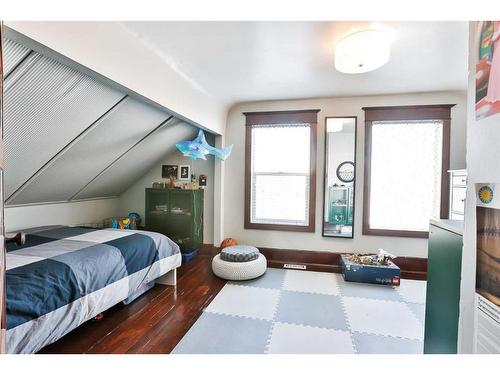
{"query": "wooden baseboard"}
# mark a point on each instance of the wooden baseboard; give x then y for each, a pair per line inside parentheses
(208, 249)
(325, 261)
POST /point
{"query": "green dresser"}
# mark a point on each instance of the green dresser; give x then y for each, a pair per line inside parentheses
(443, 286)
(176, 213)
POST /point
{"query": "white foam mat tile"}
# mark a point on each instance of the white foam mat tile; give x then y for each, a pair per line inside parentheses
(311, 282)
(413, 291)
(245, 301)
(382, 318)
(298, 339)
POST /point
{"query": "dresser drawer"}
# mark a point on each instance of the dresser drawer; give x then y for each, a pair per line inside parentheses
(458, 199)
(458, 180)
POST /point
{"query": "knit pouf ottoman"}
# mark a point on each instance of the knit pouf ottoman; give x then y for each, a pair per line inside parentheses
(239, 263)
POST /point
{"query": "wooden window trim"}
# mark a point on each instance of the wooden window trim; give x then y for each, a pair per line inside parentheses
(281, 117)
(406, 113)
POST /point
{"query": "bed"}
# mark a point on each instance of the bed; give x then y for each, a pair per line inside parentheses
(63, 276)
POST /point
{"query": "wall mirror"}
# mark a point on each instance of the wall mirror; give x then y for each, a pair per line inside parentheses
(340, 168)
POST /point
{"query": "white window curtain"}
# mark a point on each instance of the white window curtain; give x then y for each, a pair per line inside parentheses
(405, 185)
(280, 174)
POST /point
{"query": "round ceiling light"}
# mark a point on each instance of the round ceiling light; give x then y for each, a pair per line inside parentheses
(362, 51)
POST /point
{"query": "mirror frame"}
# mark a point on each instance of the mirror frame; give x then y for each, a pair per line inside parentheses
(325, 176)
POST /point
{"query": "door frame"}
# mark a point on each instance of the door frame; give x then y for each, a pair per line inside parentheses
(3, 314)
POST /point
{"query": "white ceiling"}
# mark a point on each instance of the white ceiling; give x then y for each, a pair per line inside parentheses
(246, 61)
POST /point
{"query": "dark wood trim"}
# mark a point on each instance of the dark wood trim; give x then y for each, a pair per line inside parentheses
(406, 113)
(276, 118)
(208, 249)
(445, 166)
(325, 261)
(325, 174)
(409, 112)
(393, 232)
(281, 117)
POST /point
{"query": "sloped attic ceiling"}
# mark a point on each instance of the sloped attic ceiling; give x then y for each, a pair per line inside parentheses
(69, 136)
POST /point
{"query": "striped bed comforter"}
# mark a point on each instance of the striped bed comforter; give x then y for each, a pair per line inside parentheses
(64, 276)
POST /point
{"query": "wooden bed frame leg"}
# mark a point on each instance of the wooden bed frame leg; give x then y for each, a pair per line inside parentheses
(169, 278)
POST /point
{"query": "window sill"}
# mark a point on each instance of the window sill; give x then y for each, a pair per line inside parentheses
(281, 227)
(395, 233)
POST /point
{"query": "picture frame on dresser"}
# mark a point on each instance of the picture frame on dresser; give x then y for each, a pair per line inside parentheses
(184, 172)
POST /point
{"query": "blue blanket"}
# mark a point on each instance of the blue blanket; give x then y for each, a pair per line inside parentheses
(64, 276)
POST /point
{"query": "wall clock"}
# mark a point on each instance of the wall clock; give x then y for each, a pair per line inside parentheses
(345, 171)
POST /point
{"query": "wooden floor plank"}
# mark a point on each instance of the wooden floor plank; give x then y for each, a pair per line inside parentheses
(154, 323)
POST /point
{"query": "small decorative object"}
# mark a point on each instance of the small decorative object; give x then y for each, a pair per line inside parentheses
(185, 172)
(345, 171)
(485, 194)
(487, 95)
(487, 249)
(156, 185)
(202, 180)
(135, 220)
(228, 242)
(171, 183)
(168, 171)
(198, 148)
(121, 223)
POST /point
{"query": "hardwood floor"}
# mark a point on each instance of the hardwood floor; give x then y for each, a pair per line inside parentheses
(154, 323)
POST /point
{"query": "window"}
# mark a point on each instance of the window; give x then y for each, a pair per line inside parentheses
(280, 170)
(406, 165)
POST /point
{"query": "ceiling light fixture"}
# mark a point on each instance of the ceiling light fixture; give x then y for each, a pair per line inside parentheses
(334, 125)
(362, 51)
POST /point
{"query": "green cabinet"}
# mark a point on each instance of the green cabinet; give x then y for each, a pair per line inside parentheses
(444, 266)
(176, 213)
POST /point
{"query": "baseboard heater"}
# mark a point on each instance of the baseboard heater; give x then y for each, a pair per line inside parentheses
(487, 327)
(295, 266)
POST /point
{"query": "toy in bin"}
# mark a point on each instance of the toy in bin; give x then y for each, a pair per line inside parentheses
(371, 268)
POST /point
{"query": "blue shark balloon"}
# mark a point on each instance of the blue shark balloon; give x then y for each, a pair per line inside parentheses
(198, 148)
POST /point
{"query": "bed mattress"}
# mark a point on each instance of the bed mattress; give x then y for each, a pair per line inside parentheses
(64, 276)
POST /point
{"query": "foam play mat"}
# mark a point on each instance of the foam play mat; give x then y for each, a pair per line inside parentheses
(289, 311)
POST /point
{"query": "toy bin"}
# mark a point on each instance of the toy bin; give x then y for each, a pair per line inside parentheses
(375, 274)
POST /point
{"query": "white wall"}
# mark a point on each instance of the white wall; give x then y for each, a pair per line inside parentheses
(483, 153)
(82, 212)
(234, 172)
(110, 50)
(133, 199)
